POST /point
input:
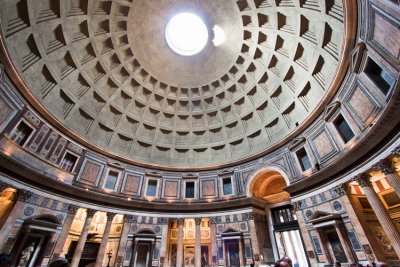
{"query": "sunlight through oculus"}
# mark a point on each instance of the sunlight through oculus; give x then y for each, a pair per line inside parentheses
(186, 34)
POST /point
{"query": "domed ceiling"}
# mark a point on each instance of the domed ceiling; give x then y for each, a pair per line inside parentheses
(104, 73)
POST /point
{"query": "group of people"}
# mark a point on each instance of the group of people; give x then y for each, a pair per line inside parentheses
(287, 262)
(284, 262)
(6, 261)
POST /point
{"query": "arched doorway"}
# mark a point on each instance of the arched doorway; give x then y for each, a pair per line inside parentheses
(284, 233)
(33, 239)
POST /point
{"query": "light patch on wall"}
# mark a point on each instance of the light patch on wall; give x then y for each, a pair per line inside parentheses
(219, 35)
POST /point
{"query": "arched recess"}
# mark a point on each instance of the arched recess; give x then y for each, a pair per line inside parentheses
(268, 184)
(284, 238)
(34, 239)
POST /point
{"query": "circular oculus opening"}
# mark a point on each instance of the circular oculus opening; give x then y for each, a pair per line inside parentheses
(186, 34)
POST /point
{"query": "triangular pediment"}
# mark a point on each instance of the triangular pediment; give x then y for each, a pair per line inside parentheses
(190, 176)
(154, 174)
(330, 110)
(116, 165)
(321, 216)
(225, 172)
(296, 143)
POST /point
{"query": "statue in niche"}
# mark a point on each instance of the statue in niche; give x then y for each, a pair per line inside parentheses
(26, 255)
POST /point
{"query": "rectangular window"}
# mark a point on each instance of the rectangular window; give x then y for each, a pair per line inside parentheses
(189, 190)
(303, 158)
(379, 76)
(111, 181)
(227, 186)
(343, 128)
(152, 188)
(21, 133)
(68, 162)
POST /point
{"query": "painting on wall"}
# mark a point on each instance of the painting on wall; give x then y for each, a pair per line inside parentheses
(205, 256)
(188, 256)
(384, 242)
(336, 246)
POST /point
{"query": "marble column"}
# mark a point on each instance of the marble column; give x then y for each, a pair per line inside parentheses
(21, 197)
(386, 167)
(224, 256)
(82, 238)
(254, 238)
(381, 213)
(241, 252)
(213, 237)
(123, 241)
(197, 247)
(344, 240)
(179, 253)
(69, 219)
(104, 240)
(164, 242)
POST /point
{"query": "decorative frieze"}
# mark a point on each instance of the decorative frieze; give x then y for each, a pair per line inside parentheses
(340, 190)
(128, 218)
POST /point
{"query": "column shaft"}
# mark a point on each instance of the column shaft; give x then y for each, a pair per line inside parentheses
(82, 239)
(394, 179)
(164, 242)
(197, 248)
(21, 197)
(179, 253)
(254, 240)
(381, 213)
(214, 245)
(104, 240)
(58, 249)
(123, 240)
(241, 253)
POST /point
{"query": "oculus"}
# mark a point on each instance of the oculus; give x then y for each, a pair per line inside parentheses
(186, 34)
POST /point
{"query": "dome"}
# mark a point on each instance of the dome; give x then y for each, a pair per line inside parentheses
(260, 133)
(106, 76)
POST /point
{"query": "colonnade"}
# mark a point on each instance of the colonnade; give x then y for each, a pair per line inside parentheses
(387, 168)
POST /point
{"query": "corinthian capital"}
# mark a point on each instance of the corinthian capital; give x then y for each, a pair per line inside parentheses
(90, 213)
(363, 179)
(385, 166)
